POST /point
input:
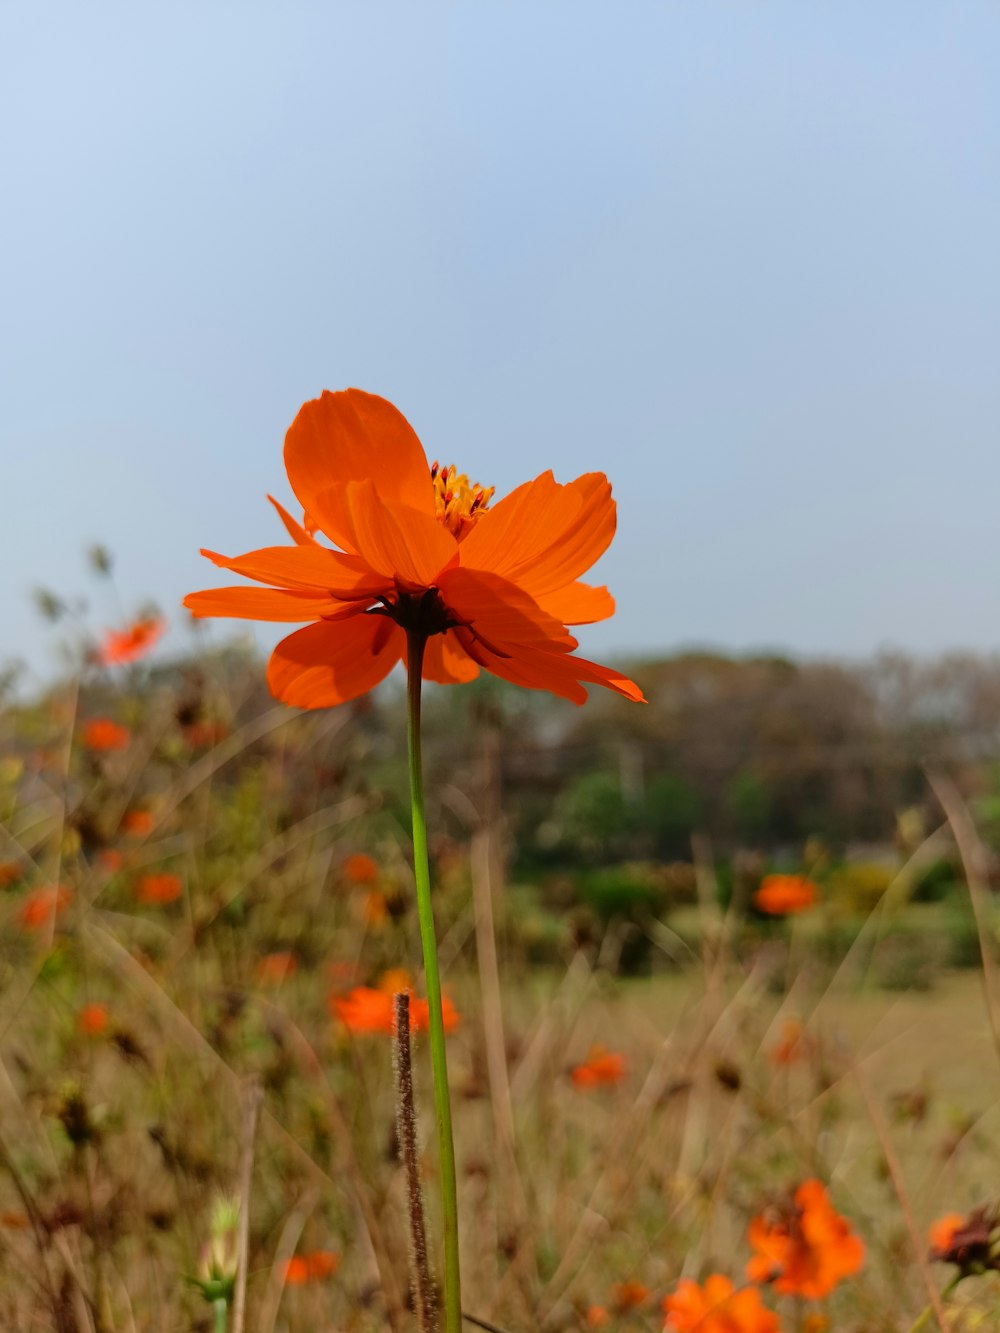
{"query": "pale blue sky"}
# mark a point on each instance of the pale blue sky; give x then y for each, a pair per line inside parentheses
(743, 257)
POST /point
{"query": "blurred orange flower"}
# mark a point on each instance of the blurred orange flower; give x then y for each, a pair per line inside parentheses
(717, 1307)
(158, 889)
(202, 735)
(360, 869)
(131, 643)
(10, 873)
(793, 1045)
(783, 895)
(110, 860)
(628, 1295)
(365, 1009)
(942, 1231)
(971, 1243)
(804, 1249)
(138, 823)
(596, 1316)
(100, 733)
(42, 905)
(92, 1019)
(375, 908)
(274, 968)
(420, 549)
(600, 1069)
(312, 1267)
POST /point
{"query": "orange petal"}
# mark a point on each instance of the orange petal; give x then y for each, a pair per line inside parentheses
(499, 612)
(350, 436)
(328, 663)
(531, 670)
(311, 568)
(246, 603)
(544, 535)
(578, 604)
(401, 543)
(446, 662)
(295, 530)
(558, 672)
(519, 528)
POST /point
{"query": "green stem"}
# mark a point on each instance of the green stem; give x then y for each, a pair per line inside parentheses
(924, 1317)
(220, 1310)
(428, 940)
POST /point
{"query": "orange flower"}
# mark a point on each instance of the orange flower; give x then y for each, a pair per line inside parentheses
(360, 869)
(203, 735)
(110, 860)
(783, 895)
(375, 908)
(10, 873)
(365, 1009)
(596, 1316)
(971, 1243)
(42, 905)
(131, 643)
(600, 1068)
(312, 1267)
(138, 823)
(103, 734)
(628, 1295)
(942, 1232)
(717, 1307)
(158, 889)
(274, 968)
(792, 1046)
(804, 1249)
(92, 1020)
(419, 549)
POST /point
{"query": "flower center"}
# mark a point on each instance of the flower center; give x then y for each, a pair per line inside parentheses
(459, 502)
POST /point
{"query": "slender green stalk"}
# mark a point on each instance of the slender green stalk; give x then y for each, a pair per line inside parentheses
(220, 1311)
(924, 1317)
(439, 1062)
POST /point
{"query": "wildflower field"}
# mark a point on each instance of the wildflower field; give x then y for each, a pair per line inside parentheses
(329, 1009)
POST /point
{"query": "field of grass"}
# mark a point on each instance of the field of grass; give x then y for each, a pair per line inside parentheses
(188, 916)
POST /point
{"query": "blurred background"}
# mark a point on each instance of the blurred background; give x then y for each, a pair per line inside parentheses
(744, 259)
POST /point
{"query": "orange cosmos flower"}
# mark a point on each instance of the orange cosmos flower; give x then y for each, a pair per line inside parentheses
(971, 1243)
(365, 1009)
(600, 1069)
(158, 889)
(793, 1045)
(312, 1267)
(10, 873)
(717, 1307)
(419, 549)
(41, 906)
(596, 1316)
(100, 733)
(805, 1249)
(138, 823)
(360, 869)
(275, 968)
(783, 895)
(626, 1296)
(92, 1020)
(131, 643)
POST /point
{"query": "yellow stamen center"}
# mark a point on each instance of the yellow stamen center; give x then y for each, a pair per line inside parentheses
(459, 503)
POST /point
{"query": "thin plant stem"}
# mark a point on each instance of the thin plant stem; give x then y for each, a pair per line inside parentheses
(406, 1132)
(220, 1312)
(924, 1317)
(439, 1061)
